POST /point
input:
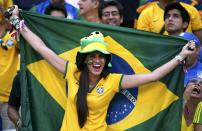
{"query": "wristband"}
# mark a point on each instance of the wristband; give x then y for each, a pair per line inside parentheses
(15, 21)
(18, 24)
(180, 59)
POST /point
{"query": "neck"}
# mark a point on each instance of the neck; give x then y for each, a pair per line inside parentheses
(92, 16)
(93, 79)
(175, 33)
(189, 111)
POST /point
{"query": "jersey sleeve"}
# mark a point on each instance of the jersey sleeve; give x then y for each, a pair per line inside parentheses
(116, 81)
(143, 22)
(198, 114)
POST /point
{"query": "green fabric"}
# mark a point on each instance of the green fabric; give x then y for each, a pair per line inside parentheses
(40, 112)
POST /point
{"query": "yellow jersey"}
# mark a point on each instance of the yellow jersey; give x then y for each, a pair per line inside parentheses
(98, 101)
(9, 62)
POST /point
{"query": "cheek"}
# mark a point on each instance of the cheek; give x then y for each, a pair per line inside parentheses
(103, 60)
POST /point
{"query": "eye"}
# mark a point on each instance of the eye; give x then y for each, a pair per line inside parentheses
(176, 15)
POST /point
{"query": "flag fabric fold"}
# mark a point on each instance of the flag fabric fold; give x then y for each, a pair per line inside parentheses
(155, 106)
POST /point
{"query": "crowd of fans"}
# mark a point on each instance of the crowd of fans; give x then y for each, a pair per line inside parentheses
(181, 18)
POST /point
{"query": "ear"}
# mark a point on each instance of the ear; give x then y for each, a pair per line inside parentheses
(96, 3)
(185, 25)
(121, 19)
(198, 50)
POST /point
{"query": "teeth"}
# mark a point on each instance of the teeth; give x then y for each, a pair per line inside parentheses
(96, 66)
(196, 90)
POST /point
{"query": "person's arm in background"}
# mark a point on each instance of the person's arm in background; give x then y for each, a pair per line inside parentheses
(14, 102)
(13, 114)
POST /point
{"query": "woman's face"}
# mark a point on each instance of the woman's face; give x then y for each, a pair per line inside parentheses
(95, 62)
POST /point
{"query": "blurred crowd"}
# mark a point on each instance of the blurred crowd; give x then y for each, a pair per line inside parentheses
(180, 18)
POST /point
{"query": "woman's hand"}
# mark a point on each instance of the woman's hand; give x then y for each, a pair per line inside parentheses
(188, 49)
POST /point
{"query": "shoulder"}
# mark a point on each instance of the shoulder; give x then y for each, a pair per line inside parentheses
(70, 70)
(188, 6)
(153, 7)
(114, 76)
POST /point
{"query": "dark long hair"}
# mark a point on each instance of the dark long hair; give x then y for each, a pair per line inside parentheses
(81, 102)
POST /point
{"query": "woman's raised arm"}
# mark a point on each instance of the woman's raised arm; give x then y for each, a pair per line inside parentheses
(37, 44)
(135, 80)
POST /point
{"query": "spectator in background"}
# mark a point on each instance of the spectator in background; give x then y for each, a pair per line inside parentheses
(151, 18)
(110, 12)
(129, 13)
(193, 65)
(198, 116)
(89, 10)
(192, 97)
(27, 4)
(56, 9)
(8, 67)
(72, 12)
(176, 19)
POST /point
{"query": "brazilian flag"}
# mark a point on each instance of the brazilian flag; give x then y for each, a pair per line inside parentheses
(155, 106)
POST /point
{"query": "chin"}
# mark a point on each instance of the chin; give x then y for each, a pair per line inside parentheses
(96, 73)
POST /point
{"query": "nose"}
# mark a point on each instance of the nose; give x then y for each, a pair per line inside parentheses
(110, 15)
(96, 59)
(170, 17)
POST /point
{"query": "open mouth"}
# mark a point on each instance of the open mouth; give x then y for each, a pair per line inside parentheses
(196, 90)
(96, 67)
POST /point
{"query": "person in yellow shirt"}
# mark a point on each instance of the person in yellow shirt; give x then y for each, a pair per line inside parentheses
(192, 97)
(151, 18)
(8, 67)
(89, 82)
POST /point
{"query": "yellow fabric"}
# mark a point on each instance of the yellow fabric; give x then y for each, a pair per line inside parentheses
(198, 114)
(184, 125)
(6, 3)
(8, 67)
(97, 102)
(151, 19)
(95, 47)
